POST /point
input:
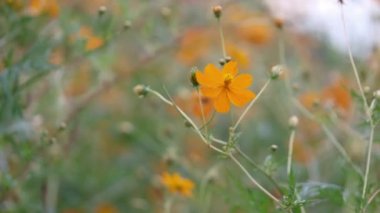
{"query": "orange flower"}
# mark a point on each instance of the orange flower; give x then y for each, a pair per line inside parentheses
(225, 86)
(175, 183)
(92, 41)
(106, 208)
(37, 7)
(206, 104)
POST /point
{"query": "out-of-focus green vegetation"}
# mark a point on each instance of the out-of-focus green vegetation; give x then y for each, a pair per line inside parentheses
(74, 136)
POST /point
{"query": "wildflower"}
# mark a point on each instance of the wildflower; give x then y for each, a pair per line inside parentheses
(239, 55)
(37, 7)
(106, 208)
(225, 86)
(194, 45)
(175, 183)
(206, 105)
(92, 41)
(256, 32)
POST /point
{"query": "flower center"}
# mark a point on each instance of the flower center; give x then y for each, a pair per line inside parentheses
(227, 79)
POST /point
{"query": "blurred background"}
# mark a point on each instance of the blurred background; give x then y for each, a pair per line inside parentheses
(74, 137)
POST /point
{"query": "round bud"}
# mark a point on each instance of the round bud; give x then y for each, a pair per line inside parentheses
(222, 61)
(273, 148)
(102, 10)
(276, 71)
(376, 94)
(140, 90)
(278, 22)
(217, 10)
(127, 24)
(228, 59)
(166, 12)
(293, 121)
(62, 126)
(188, 124)
(366, 89)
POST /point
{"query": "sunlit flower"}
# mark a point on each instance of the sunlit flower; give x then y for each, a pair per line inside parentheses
(225, 86)
(175, 183)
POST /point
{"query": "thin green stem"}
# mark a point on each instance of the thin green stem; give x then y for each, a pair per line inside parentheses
(259, 168)
(251, 104)
(366, 106)
(371, 199)
(202, 112)
(290, 152)
(159, 96)
(254, 180)
(221, 34)
(368, 161)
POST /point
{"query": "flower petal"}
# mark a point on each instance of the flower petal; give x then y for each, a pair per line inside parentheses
(221, 102)
(230, 68)
(240, 97)
(242, 81)
(210, 92)
(212, 77)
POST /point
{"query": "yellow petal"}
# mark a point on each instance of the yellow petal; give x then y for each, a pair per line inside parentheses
(242, 81)
(230, 68)
(221, 102)
(240, 97)
(210, 92)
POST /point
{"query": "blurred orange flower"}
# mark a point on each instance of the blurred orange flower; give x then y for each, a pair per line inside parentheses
(92, 42)
(206, 104)
(225, 86)
(175, 183)
(256, 32)
(239, 55)
(106, 208)
(38, 7)
(338, 95)
(193, 45)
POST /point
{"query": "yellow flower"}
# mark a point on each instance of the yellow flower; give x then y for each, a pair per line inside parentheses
(175, 183)
(225, 86)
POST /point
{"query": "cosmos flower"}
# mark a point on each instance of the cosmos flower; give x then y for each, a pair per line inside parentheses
(175, 183)
(225, 86)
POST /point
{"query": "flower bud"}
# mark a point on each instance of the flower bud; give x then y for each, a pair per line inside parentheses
(193, 78)
(278, 22)
(293, 121)
(273, 148)
(166, 12)
(188, 124)
(376, 94)
(62, 126)
(140, 90)
(276, 71)
(102, 10)
(366, 89)
(127, 24)
(217, 11)
(227, 59)
(222, 61)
